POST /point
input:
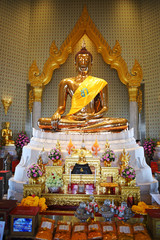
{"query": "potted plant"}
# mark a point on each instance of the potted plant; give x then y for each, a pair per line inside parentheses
(55, 156)
(54, 182)
(149, 148)
(108, 156)
(128, 174)
(21, 141)
(33, 173)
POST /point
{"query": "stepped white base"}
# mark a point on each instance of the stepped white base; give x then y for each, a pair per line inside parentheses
(47, 140)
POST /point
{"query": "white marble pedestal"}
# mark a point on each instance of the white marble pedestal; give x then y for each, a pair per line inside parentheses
(118, 142)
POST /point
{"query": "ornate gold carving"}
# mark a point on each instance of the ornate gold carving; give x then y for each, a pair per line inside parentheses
(31, 100)
(37, 93)
(58, 169)
(33, 189)
(74, 200)
(113, 57)
(110, 172)
(130, 190)
(139, 100)
(133, 93)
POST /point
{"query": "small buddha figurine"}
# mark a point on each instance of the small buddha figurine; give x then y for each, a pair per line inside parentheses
(7, 136)
(83, 150)
(40, 163)
(82, 158)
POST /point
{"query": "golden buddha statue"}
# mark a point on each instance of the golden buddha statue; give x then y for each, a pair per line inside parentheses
(7, 136)
(89, 102)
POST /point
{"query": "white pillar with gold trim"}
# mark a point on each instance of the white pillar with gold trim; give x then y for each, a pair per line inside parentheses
(133, 110)
(35, 104)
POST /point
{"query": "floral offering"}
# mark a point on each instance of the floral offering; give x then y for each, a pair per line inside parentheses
(128, 172)
(34, 171)
(108, 155)
(54, 180)
(34, 201)
(22, 140)
(149, 147)
(55, 154)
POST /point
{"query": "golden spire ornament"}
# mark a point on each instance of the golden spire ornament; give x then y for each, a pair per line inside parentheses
(58, 145)
(124, 159)
(107, 144)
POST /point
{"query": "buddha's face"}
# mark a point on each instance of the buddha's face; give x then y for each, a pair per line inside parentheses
(83, 63)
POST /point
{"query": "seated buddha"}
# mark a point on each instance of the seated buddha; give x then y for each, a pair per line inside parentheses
(89, 102)
(7, 136)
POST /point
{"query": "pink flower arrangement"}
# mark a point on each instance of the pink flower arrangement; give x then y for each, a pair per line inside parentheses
(34, 171)
(108, 155)
(128, 172)
(55, 154)
(22, 140)
(149, 147)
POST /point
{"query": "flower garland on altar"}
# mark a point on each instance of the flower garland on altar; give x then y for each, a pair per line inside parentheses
(128, 172)
(34, 201)
(34, 171)
(55, 156)
(108, 155)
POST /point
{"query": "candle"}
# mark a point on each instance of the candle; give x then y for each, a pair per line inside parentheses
(70, 177)
(95, 177)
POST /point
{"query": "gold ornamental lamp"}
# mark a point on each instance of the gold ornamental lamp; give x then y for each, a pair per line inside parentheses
(6, 104)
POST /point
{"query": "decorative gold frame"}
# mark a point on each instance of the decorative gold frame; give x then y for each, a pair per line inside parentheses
(57, 57)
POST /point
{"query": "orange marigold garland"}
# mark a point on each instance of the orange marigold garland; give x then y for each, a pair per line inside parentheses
(34, 201)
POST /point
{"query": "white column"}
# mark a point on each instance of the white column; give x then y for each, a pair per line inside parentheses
(36, 114)
(133, 122)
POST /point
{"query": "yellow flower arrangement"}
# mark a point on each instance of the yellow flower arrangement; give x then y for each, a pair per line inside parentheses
(140, 208)
(34, 201)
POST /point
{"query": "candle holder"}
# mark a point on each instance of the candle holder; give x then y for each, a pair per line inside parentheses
(69, 188)
(6, 104)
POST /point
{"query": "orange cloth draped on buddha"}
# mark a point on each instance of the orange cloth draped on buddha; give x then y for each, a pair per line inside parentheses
(87, 91)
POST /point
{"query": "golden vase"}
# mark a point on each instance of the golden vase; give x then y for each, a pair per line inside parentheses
(128, 181)
(33, 180)
(107, 164)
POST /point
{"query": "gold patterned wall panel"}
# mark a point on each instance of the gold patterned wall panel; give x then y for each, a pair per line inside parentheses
(15, 16)
(151, 54)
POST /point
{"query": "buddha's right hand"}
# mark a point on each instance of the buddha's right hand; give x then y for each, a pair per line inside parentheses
(55, 119)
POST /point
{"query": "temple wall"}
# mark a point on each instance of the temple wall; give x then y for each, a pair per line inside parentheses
(29, 27)
(150, 14)
(15, 18)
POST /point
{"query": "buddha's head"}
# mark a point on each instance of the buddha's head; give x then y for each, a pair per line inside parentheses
(83, 61)
(7, 124)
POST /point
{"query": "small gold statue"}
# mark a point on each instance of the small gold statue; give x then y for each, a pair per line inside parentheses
(83, 150)
(7, 136)
(82, 158)
(40, 163)
(124, 158)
